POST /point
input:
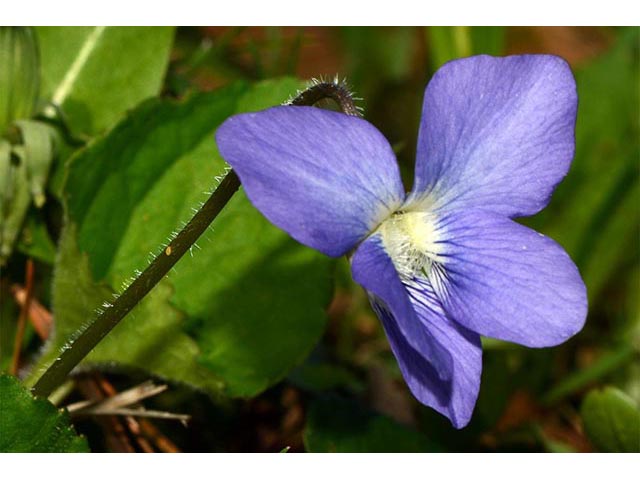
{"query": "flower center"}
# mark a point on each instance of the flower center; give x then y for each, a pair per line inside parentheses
(412, 241)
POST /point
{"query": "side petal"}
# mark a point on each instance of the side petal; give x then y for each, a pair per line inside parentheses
(326, 178)
(440, 360)
(496, 133)
(506, 281)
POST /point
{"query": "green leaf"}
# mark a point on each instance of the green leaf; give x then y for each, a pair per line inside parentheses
(320, 377)
(35, 240)
(611, 420)
(29, 424)
(19, 76)
(150, 339)
(38, 150)
(96, 73)
(251, 300)
(339, 425)
(23, 174)
(14, 196)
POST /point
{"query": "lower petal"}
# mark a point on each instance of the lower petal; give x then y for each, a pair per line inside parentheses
(440, 360)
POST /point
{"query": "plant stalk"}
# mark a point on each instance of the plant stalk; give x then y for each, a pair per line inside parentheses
(91, 335)
(159, 267)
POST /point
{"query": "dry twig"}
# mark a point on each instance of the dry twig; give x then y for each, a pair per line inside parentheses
(22, 319)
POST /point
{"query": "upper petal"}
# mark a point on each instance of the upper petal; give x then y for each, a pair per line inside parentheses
(326, 178)
(440, 360)
(496, 133)
(506, 281)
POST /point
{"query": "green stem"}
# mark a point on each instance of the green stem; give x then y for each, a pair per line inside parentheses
(89, 337)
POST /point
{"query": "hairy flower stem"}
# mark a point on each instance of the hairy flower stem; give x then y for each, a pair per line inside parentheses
(91, 335)
(159, 267)
(336, 91)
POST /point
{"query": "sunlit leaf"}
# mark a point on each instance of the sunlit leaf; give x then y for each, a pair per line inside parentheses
(94, 74)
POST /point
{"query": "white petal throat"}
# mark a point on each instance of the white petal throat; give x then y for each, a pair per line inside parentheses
(413, 242)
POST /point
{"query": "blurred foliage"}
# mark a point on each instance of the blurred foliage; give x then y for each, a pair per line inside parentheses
(338, 425)
(241, 331)
(612, 420)
(448, 43)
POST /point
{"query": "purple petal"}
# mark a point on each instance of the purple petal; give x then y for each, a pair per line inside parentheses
(504, 280)
(440, 360)
(326, 178)
(496, 133)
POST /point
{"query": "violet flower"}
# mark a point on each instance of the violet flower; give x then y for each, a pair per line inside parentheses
(445, 263)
